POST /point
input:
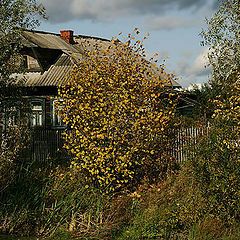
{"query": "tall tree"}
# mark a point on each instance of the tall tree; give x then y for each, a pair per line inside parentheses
(120, 108)
(215, 158)
(15, 15)
(223, 39)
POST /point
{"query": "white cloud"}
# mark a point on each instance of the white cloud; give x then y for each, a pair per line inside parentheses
(193, 86)
(200, 65)
(195, 73)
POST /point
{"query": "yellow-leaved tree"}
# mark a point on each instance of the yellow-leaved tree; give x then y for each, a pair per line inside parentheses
(216, 158)
(119, 108)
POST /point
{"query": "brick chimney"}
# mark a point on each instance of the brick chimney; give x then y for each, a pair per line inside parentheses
(67, 35)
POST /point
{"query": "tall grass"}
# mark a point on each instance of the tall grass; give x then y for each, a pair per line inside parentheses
(55, 202)
(43, 201)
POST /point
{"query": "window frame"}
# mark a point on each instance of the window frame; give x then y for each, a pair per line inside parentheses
(30, 117)
(53, 115)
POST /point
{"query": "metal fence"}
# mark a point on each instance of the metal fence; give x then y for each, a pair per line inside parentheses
(48, 144)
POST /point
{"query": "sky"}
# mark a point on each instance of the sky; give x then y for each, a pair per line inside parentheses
(173, 27)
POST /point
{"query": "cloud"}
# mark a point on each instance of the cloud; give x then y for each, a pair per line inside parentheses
(197, 72)
(200, 66)
(171, 23)
(63, 10)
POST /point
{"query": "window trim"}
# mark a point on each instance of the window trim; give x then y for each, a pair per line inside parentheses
(43, 103)
(53, 126)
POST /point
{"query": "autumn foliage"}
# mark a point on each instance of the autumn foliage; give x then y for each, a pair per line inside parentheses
(119, 108)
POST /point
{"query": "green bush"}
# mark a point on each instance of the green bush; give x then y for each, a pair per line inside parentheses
(199, 201)
(216, 168)
(48, 202)
(12, 142)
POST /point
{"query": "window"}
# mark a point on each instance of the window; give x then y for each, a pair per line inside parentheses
(32, 64)
(57, 121)
(37, 113)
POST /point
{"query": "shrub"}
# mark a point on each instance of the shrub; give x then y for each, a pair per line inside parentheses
(120, 108)
(13, 141)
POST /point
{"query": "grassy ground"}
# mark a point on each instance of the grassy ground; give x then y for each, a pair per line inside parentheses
(200, 200)
(55, 204)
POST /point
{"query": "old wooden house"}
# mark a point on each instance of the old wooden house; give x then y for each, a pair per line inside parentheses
(48, 58)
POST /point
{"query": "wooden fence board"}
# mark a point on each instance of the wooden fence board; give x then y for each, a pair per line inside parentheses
(48, 144)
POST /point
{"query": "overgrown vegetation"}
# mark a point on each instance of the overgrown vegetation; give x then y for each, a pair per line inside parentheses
(15, 15)
(199, 201)
(120, 108)
(13, 141)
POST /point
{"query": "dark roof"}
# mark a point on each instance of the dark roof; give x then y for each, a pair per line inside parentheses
(55, 74)
(49, 41)
(58, 71)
